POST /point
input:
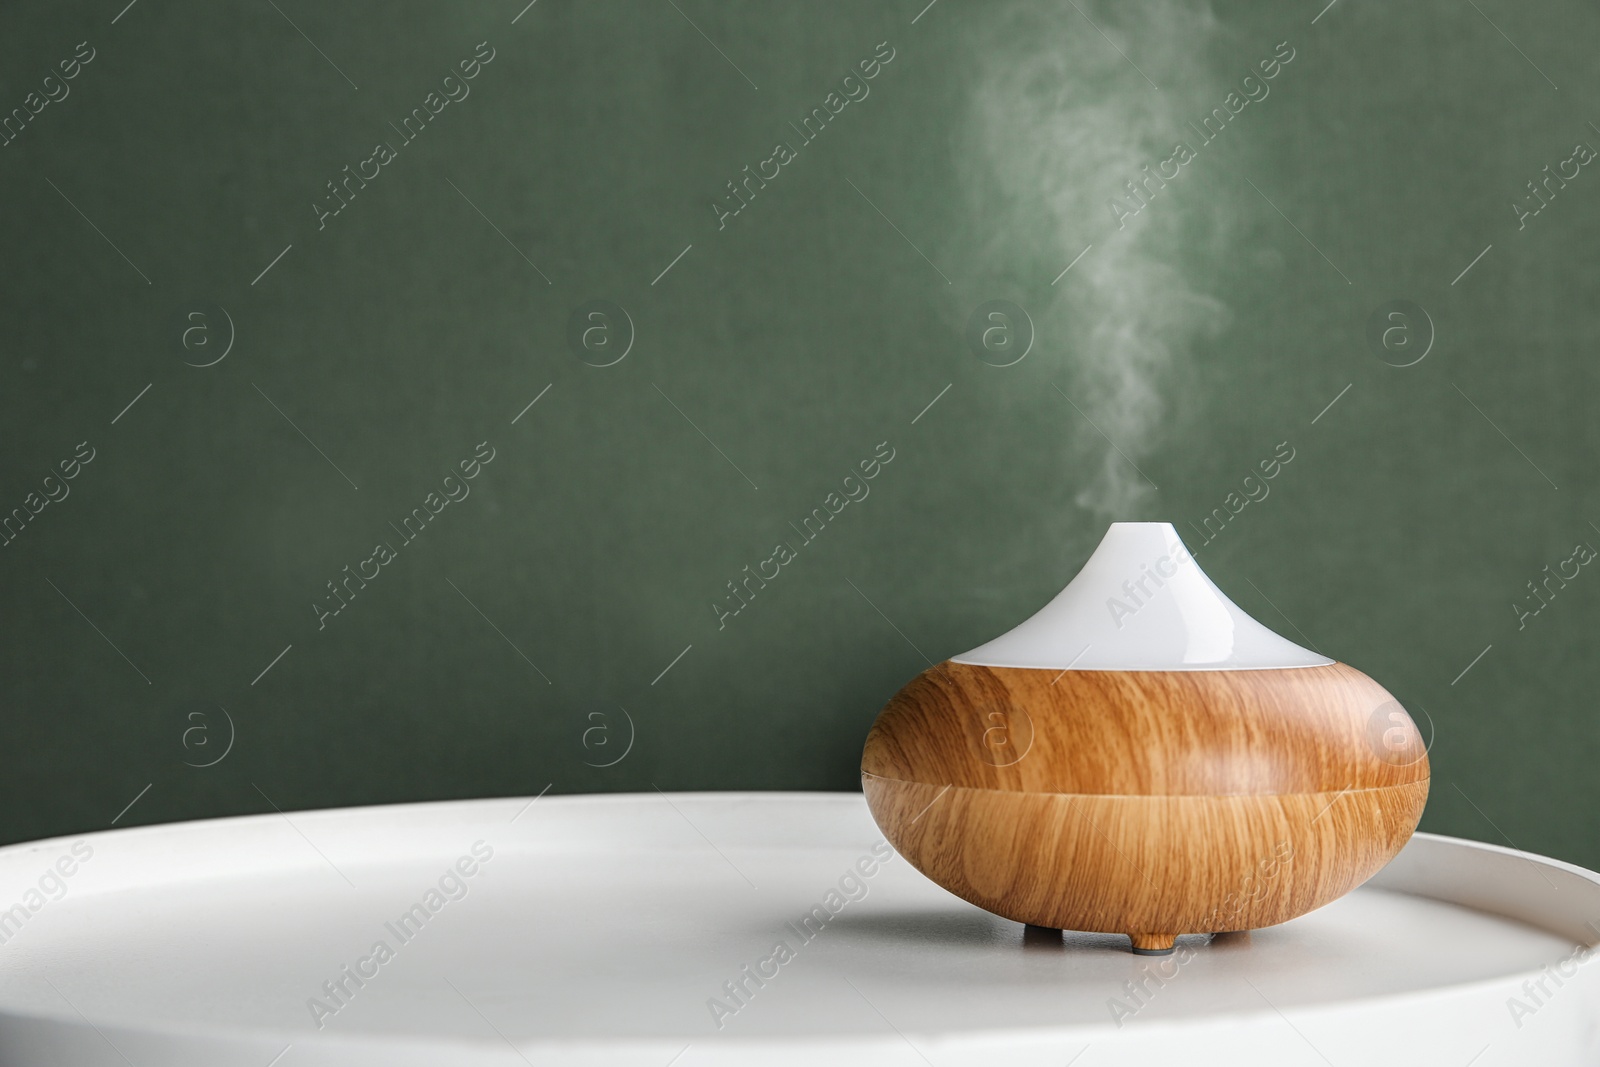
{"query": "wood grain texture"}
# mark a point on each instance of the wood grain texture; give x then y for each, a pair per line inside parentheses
(1152, 803)
(1148, 733)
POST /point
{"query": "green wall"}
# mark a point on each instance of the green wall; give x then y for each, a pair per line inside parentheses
(772, 352)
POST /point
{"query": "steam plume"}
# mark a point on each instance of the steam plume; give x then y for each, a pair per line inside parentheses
(1061, 119)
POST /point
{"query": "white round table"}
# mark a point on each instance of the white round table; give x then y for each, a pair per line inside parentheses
(713, 929)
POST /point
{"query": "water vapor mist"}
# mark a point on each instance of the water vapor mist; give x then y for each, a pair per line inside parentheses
(1060, 123)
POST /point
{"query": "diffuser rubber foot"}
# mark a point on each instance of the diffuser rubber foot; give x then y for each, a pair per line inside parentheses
(1153, 944)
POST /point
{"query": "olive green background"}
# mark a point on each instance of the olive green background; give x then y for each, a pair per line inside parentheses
(523, 638)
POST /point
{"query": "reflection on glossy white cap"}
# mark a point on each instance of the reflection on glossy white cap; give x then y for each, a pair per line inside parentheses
(1141, 603)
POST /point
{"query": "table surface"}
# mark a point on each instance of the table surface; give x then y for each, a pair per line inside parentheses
(670, 928)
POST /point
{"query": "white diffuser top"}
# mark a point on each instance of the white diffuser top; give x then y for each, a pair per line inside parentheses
(1141, 603)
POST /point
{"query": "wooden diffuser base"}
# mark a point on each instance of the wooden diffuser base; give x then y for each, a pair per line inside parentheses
(1277, 806)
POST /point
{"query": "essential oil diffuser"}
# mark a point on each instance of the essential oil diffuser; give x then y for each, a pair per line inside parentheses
(1142, 757)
